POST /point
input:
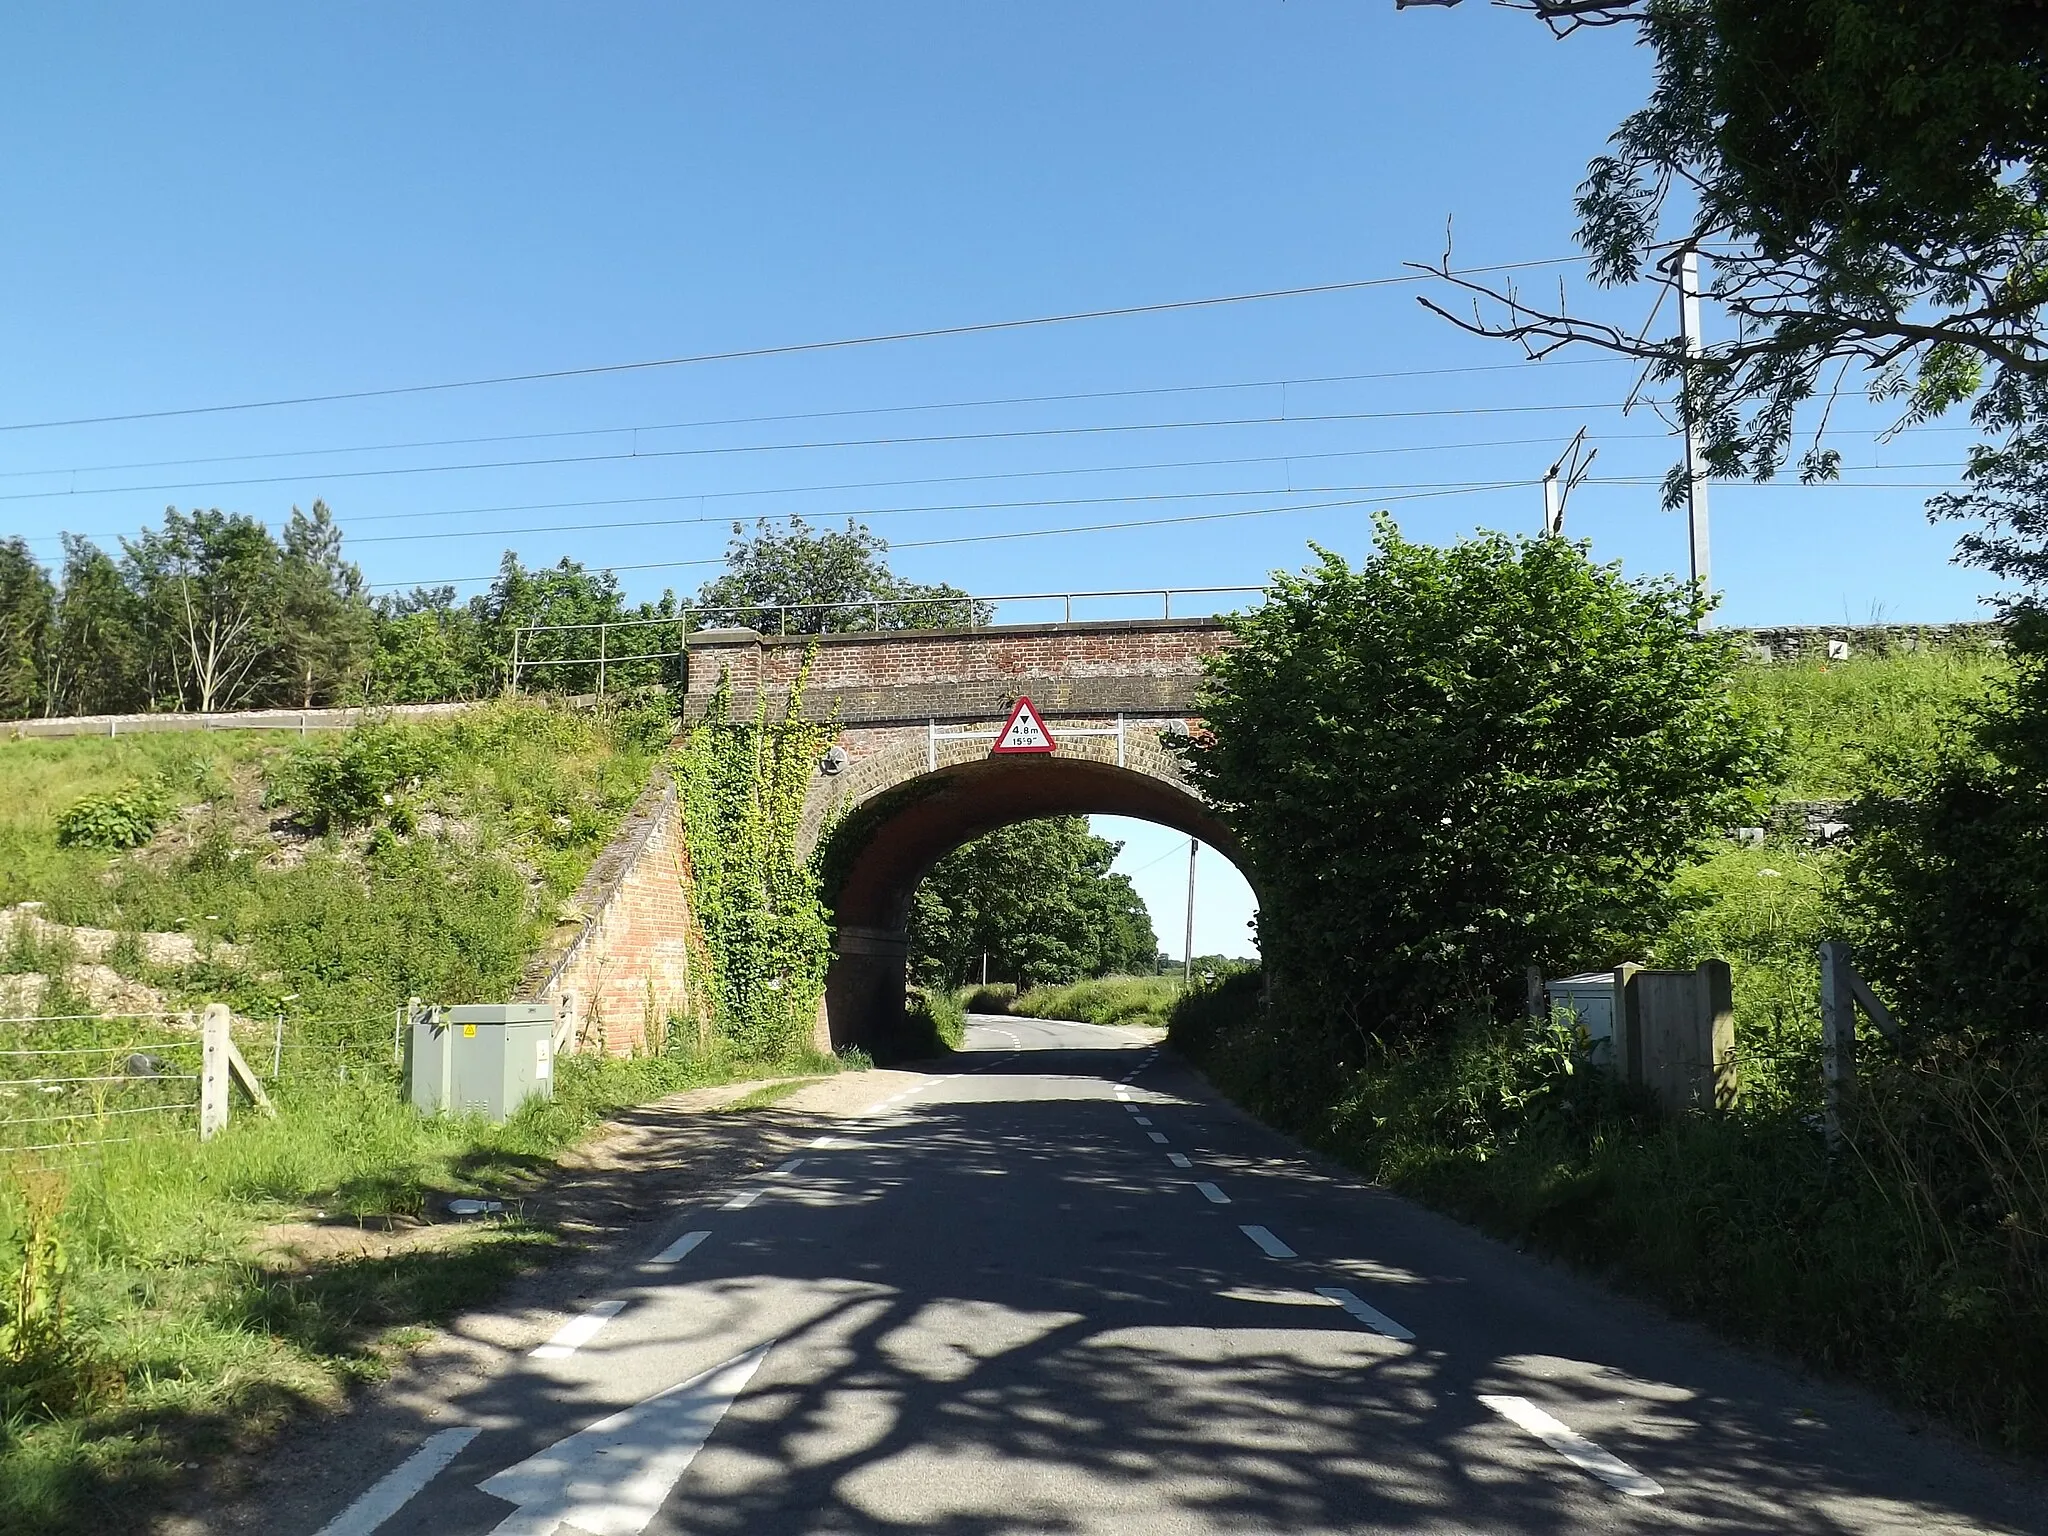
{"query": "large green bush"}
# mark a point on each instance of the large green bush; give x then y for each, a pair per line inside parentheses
(124, 818)
(1947, 880)
(1449, 764)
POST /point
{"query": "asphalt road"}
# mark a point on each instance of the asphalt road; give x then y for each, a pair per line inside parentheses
(1057, 1286)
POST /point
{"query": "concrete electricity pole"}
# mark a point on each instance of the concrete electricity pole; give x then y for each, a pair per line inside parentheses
(1187, 962)
(1695, 466)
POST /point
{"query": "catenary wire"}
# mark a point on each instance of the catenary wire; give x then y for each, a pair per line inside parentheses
(784, 416)
(787, 349)
(1033, 533)
(922, 440)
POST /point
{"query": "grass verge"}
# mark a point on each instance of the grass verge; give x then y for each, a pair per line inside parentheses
(156, 1318)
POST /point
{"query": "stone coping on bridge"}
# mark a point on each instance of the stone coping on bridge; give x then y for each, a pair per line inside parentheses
(873, 677)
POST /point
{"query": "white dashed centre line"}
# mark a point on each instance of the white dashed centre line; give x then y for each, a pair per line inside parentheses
(1214, 1195)
(680, 1249)
(1274, 1248)
(1372, 1317)
(1141, 1120)
(579, 1331)
(823, 1142)
(791, 1166)
(1179, 1159)
(743, 1199)
(389, 1494)
(1157, 1136)
(1575, 1447)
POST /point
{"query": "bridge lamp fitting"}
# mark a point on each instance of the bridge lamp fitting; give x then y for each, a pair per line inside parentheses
(835, 761)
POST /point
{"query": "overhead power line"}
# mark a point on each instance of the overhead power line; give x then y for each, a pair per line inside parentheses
(786, 349)
(1034, 533)
(815, 445)
(662, 498)
(950, 506)
(783, 416)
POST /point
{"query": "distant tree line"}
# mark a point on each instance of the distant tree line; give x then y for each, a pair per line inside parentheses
(213, 611)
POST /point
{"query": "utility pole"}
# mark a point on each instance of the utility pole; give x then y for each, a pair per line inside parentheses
(1695, 466)
(1187, 963)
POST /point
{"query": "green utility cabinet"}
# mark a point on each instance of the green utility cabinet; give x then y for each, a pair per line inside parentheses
(481, 1058)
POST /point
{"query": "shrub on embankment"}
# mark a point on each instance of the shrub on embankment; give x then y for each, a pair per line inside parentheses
(1915, 1260)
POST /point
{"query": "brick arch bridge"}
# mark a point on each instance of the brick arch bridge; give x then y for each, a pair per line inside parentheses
(917, 712)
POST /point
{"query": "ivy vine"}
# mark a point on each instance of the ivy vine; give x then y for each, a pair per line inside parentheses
(767, 936)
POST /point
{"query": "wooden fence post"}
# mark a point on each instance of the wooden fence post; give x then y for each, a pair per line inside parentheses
(213, 1070)
(1837, 1037)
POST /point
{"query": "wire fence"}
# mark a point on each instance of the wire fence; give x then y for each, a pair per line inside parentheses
(73, 1083)
(138, 1079)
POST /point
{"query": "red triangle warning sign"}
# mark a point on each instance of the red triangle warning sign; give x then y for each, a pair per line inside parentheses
(1024, 731)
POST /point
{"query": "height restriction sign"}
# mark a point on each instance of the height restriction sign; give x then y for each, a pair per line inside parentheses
(1024, 731)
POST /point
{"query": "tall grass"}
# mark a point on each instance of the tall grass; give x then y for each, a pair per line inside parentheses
(1838, 715)
(1140, 1000)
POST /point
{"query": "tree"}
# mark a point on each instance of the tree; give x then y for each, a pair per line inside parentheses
(1039, 900)
(1449, 764)
(797, 582)
(210, 590)
(567, 594)
(325, 623)
(1867, 184)
(96, 655)
(427, 649)
(26, 598)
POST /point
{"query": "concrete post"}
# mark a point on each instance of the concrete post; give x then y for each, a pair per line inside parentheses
(213, 1070)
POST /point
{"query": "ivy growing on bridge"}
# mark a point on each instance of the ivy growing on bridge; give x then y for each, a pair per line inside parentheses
(767, 935)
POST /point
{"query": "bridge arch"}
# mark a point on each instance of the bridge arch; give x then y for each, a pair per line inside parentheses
(912, 778)
(905, 807)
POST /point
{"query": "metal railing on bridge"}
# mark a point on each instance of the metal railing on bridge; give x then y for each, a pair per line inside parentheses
(635, 652)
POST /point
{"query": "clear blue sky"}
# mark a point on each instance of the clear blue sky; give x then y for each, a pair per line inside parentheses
(214, 204)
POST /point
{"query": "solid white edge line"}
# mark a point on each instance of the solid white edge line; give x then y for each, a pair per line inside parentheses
(1274, 1248)
(1214, 1195)
(1179, 1160)
(1371, 1316)
(579, 1331)
(391, 1492)
(1575, 1447)
(680, 1249)
(742, 1200)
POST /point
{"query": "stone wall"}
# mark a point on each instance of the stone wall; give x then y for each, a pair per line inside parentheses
(623, 966)
(1793, 642)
